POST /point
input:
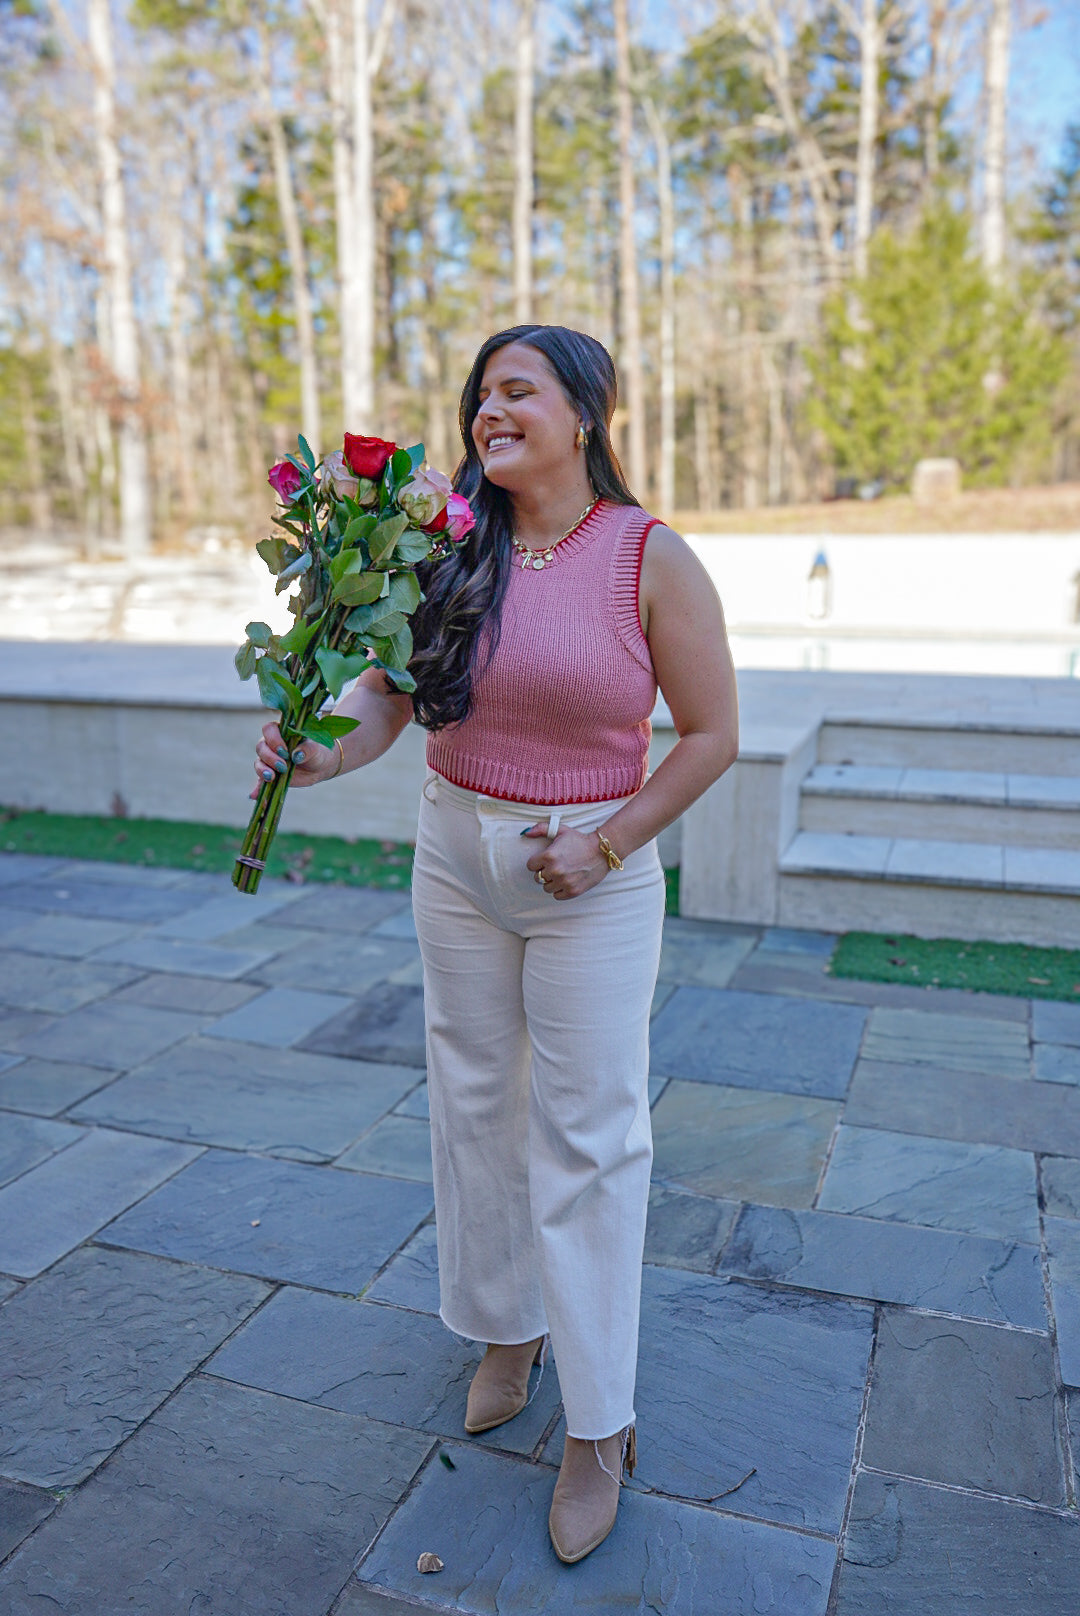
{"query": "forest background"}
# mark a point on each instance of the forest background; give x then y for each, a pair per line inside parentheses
(807, 230)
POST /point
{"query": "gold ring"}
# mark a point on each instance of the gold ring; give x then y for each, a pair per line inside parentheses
(539, 876)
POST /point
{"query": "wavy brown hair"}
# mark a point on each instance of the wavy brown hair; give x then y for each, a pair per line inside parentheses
(464, 593)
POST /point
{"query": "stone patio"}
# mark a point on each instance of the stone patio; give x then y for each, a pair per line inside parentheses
(225, 1387)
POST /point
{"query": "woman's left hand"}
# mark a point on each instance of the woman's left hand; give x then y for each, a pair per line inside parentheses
(570, 864)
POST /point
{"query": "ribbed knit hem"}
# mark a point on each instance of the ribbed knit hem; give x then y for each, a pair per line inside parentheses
(508, 784)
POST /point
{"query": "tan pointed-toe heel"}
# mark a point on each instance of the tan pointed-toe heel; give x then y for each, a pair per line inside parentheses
(586, 1497)
(500, 1387)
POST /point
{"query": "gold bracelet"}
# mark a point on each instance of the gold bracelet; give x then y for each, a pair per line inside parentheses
(341, 758)
(613, 859)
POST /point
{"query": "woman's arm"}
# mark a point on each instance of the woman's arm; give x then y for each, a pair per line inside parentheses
(383, 714)
(684, 625)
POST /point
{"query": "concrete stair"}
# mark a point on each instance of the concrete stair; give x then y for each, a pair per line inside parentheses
(944, 832)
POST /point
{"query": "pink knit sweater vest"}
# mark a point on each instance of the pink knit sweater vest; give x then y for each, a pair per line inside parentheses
(561, 712)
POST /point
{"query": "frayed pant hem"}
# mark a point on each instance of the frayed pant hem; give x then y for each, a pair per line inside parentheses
(602, 1436)
(468, 1338)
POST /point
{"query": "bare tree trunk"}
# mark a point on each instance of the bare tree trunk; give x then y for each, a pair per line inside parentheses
(41, 514)
(628, 280)
(665, 491)
(708, 485)
(997, 83)
(748, 365)
(294, 243)
(765, 29)
(360, 284)
(775, 454)
(932, 105)
(523, 163)
(124, 352)
(63, 386)
(179, 357)
(869, 56)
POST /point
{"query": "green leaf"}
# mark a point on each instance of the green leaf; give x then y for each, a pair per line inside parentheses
(387, 624)
(401, 465)
(277, 553)
(312, 685)
(259, 634)
(358, 620)
(404, 595)
(415, 546)
(294, 570)
(385, 536)
(344, 562)
(297, 640)
(394, 650)
(404, 681)
(337, 670)
(316, 730)
(325, 729)
(245, 660)
(338, 724)
(275, 686)
(416, 456)
(359, 527)
(357, 588)
(305, 450)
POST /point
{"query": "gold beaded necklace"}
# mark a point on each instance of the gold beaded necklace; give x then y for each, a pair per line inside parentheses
(538, 559)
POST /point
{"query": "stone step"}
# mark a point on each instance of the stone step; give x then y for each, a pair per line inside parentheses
(1022, 810)
(931, 888)
(977, 745)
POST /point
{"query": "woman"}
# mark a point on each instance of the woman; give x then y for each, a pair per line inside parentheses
(539, 650)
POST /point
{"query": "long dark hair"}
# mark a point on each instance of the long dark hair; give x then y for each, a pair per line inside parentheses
(464, 593)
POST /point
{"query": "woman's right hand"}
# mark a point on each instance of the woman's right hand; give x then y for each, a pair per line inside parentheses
(312, 762)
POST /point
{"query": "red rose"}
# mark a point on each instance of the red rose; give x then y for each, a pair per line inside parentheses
(367, 456)
(285, 480)
(437, 523)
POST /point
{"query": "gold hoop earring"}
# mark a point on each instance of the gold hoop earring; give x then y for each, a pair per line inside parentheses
(582, 439)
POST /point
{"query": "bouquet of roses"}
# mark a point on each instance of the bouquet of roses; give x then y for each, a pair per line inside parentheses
(356, 525)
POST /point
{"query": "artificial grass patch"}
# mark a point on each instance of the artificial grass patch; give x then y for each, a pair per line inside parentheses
(949, 962)
(175, 845)
(172, 844)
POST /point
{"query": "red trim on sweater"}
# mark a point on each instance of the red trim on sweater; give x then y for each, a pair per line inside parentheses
(655, 522)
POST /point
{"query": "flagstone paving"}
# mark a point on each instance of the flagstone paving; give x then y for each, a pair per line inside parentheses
(226, 1388)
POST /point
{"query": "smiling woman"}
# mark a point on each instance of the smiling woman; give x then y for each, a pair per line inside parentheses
(540, 646)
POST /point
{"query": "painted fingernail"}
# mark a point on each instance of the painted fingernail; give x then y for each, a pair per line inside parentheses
(268, 774)
(298, 757)
(281, 752)
(526, 831)
(281, 767)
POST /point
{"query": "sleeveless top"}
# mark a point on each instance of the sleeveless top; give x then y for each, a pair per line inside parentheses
(560, 713)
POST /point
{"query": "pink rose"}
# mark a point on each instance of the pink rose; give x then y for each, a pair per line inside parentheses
(423, 498)
(460, 519)
(285, 480)
(336, 477)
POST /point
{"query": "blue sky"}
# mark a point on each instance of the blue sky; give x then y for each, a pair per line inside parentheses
(1045, 81)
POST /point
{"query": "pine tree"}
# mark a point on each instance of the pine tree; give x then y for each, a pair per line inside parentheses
(936, 361)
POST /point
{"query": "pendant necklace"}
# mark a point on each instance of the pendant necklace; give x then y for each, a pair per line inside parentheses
(538, 559)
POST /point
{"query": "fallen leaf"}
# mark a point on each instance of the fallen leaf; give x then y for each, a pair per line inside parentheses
(1040, 981)
(255, 1222)
(429, 1562)
(898, 961)
(444, 1458)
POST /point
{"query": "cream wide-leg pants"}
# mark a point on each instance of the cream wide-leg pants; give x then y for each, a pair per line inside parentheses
(538, 1056)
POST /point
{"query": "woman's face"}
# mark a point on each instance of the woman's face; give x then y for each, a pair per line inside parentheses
(525, 427)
